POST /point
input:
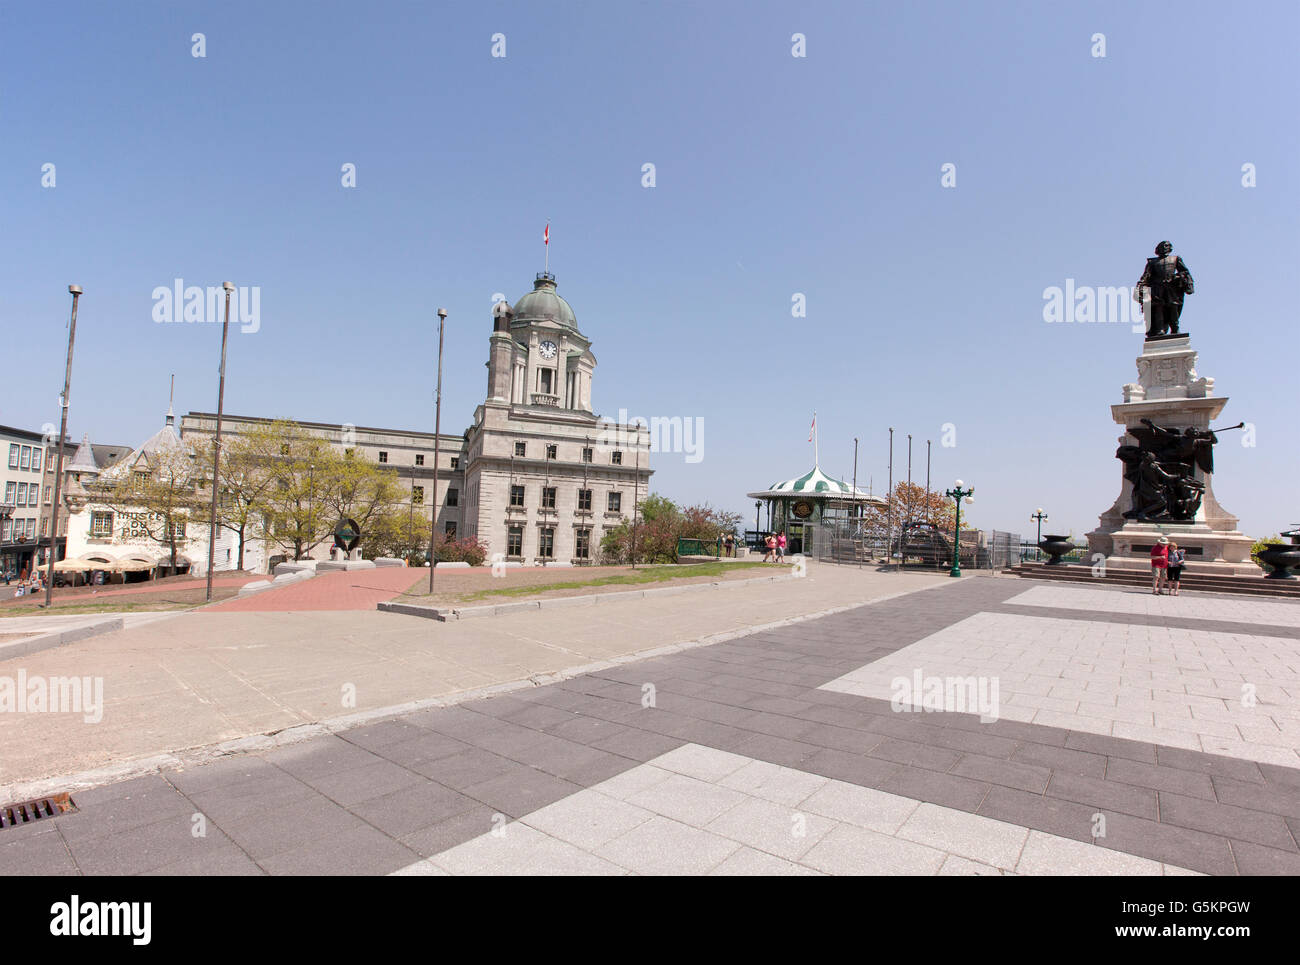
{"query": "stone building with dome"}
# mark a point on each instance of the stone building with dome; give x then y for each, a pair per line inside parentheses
(538, 477)
(545, 478)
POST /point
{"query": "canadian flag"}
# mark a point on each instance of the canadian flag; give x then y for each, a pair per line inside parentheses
(546, 235)
(813, 428)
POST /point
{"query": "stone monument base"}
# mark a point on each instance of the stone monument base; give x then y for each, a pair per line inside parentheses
(1209, 552)
(1171, 394)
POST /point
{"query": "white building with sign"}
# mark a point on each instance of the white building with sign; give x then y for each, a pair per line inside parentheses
(125, 539)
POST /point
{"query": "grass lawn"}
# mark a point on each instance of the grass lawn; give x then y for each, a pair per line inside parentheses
(533, 584)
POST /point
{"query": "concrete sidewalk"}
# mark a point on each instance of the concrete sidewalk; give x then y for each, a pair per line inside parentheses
(768, 754)
(208, 676)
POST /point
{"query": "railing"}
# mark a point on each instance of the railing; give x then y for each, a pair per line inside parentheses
(541, 398)
(699, 547)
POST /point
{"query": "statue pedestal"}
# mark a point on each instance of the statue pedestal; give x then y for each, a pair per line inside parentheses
(1170, 394)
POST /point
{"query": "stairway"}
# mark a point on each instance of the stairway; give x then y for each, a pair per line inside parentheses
(1191, 582)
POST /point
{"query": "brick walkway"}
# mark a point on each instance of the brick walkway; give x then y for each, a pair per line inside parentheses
(751, 756)
(340, 590)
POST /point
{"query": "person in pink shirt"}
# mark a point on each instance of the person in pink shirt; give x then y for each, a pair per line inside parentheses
(780, 546)
(1159, 563)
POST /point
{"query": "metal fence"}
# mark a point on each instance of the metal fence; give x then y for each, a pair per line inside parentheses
(835, 541)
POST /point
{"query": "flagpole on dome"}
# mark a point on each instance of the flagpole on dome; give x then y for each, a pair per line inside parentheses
(546, 243)
(813, 438)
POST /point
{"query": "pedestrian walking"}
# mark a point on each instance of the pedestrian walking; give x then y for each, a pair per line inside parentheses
(730, 543)
(1177, 560)
(780, 547)
(1159, 564)
(770, 543)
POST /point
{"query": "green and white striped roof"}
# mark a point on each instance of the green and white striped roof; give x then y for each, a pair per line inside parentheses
(814, 483)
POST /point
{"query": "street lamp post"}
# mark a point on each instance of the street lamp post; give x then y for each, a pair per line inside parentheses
(311, 503)
(75, 291)
(958, 494)
(437, 428)
(1040, 516)
(216, 444)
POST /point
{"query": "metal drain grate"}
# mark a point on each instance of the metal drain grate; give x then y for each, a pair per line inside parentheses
(25, 812)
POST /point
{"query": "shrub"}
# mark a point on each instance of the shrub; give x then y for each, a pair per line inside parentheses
(467, 549)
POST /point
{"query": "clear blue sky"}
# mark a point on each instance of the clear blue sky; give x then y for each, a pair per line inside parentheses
(775, 175)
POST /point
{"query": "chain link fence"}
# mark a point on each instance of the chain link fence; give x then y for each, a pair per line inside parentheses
(916, 545)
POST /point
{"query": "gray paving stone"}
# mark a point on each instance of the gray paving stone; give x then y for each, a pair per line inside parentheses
(226, 861)
(1270, 799)
(147, 801)
(1103, 795)
(1037, 812)
(472, 766)
(376, 736)
(993, 770)
(227, 772)
(1178, 780)
(359, 851)
(264, 833)
(1237, 823)
(1211, 764)
(363, 783)
(452, 831)
(1113, 747)
(1253, 859)
(144, 848)
(1061, 759)
(638, 745)
(1207, 853)
(36, 854)
(932, 787)
(414, 808)
(520, 793)
(311, 758)
(421, 751)
(919, 755)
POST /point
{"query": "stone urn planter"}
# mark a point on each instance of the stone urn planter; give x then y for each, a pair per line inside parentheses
(1280, 557)
(1055, 547)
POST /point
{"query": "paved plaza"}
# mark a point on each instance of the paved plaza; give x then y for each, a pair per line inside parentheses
(1129, 735)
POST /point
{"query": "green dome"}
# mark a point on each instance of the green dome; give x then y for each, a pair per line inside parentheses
(543, 304)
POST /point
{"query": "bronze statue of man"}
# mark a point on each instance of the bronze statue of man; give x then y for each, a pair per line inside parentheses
(1165, 281)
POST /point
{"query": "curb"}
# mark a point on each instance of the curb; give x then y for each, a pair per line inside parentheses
(48, 641)
(208, 753)
(589, 599)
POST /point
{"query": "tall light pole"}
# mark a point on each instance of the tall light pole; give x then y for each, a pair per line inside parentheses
(958, 494)
(929, 513)
(1040, 516)
(856, 505)
(216, 444)
(437, 428)
(889, 507)
(75, 291)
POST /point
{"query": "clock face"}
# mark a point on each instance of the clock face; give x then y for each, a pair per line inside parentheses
(548, 350)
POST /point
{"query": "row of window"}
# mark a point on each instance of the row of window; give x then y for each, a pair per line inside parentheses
(546, 543)
(417, 496)
(588, 453)
(613, 501)
(25, 457)
(25, 494)
(419, 458)
(20, 529)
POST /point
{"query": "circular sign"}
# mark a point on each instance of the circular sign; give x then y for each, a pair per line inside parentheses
(802, 509)
(347, 534)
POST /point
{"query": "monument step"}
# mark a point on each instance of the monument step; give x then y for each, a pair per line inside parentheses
(1249, 585)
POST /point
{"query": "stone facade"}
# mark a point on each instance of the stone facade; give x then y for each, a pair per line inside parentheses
(545, 478)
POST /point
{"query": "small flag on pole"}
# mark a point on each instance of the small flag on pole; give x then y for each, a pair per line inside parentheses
(813, 428)
(546, 235)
